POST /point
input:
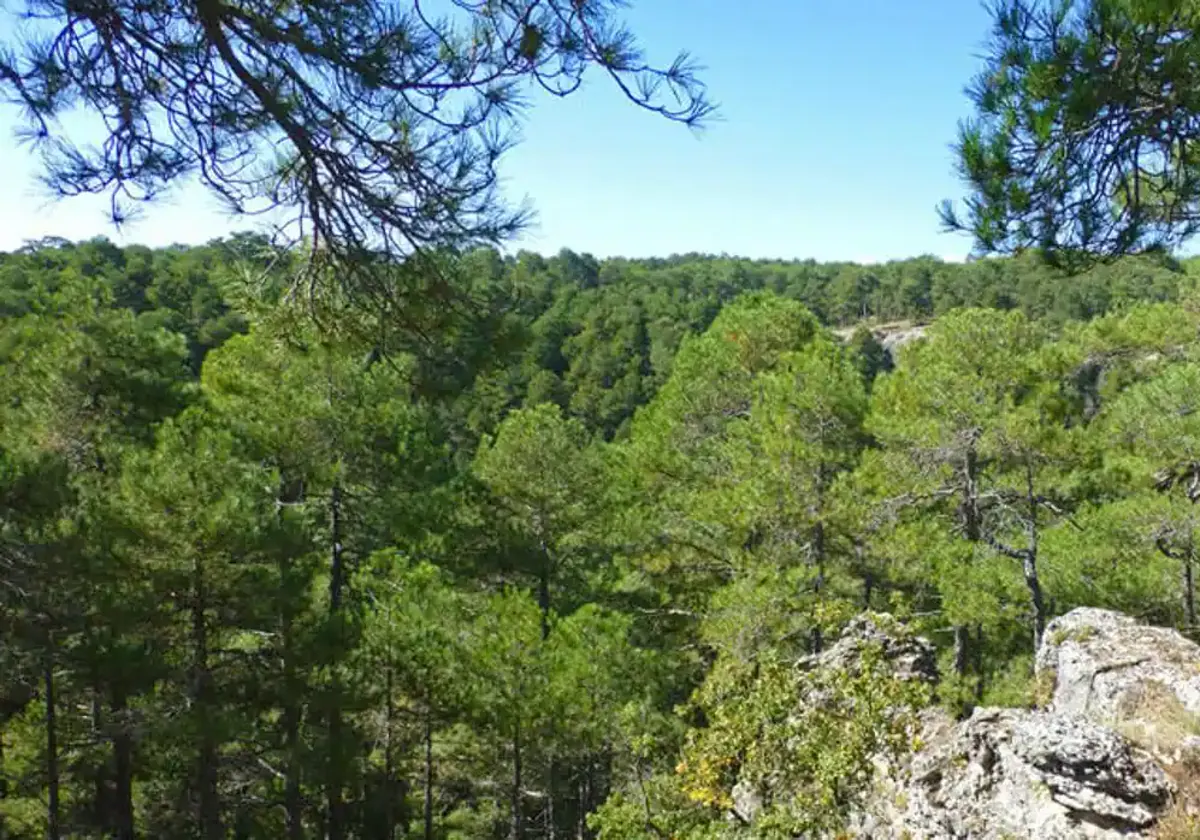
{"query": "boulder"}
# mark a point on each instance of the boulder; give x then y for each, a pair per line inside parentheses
(1008, 773)
(1142, 681)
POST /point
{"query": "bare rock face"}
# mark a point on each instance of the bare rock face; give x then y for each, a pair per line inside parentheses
(1141, 681)
(1115, 753)
(1008, 773)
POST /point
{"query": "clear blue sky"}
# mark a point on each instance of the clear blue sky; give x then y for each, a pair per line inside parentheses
(833, 144)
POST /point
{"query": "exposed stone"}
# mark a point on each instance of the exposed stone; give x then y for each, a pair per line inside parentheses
(1142, 681)
(1114, 756)
(747, 801)
(908, 657)
(1009, 773)
(1116, 753)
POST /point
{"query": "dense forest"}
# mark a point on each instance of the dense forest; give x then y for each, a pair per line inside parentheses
(265, 580)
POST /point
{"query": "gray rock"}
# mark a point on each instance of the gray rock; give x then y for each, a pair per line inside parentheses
(747, 801)
(909, 657)
(1009, 773)
(1123, 710)
(1142, 681)
(893, 340)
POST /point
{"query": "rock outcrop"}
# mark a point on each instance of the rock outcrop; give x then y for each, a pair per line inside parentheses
(1141, 681)
(1114, 755)
(1009, 773)
(908, 657)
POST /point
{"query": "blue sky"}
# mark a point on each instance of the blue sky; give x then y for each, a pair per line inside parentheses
(833, 143)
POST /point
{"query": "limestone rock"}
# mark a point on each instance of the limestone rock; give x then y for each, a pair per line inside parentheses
(909, 657)
(1140, 680)
(1009, 773)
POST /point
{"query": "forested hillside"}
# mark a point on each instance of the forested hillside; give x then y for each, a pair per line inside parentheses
(262, 580)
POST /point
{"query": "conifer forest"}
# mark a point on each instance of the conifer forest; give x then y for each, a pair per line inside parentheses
(390, 531)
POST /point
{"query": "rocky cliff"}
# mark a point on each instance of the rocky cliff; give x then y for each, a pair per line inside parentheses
(1115, 752)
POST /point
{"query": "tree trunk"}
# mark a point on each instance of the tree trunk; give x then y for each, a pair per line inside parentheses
(389, 737)
(3, 788)
(1189, 585)
(293, 799)
(979, 646)
(428, 780)
(868, 577)
(818, 538)
(544, 590)
(1035, 596)
(101, 807)
(293, 794)
(207, 755)
(122, 767)
(335, 781)
(962, 649)
(551, 827)
(972, 532)
(53, 827)
(336, 560)
(585, 779)
(518, 814)
(1032, 581)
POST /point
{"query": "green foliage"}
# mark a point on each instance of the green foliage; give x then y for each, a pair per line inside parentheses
(1039, 158)
(282, 583)
(799, 741)
(407, 104)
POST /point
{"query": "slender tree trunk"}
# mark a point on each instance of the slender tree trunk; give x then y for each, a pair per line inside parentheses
(962, 648)
(544, 589)
(551, 817)
(1035, 596)
(293, 794)
(428, 780)
(544, 608)
(1032, 581)
(53, 825)
(818, 538)
(293, 798)
(585, 785)
(102, 809)
(3, 788)
(337, 559)
(389, 737)
(122, 749)
(1189, 585)
(972, 532)
(979, 648)
(1186, 559)
(335, 782)
(209, 805)
(972, 527)
(518, 812)
(868, 581)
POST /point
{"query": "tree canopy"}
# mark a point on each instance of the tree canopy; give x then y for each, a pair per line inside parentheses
(373, 128)
(257, 581)
(1083, 141)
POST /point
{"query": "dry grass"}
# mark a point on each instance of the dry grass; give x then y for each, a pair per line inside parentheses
(1155, 720)
(1178, 825)
(1161, 726)
(1041, 690)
